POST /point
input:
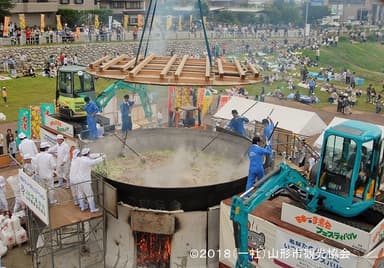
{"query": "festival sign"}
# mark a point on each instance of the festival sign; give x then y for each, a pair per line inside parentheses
(331, 229)
(35, 122)
(59, 125)
(46, 109)
(24, 122)
(292, 250)
(34, 196)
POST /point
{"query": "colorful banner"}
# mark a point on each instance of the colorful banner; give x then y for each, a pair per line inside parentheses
(223, 101)
(171, 97)
(97, 22)
(169, 22)
(35, 122)
(6, 26)
(139, 21)
(34, 196)
(208, 97)
(179, 24)
(200, 97)
(46, 109)
(190, 21)
(182, 97)
(126, 22)
(205, 21)
(24, 123)
(42, 22)
(22, 21)
(59, 26)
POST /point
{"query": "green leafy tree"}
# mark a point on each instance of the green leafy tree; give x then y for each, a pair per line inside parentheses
(5, 7)
(281, 12)
(315, 13)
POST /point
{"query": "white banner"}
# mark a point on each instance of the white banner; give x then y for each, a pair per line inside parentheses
(327, 227)
(300, 252)
(34, 196)
(59, 125)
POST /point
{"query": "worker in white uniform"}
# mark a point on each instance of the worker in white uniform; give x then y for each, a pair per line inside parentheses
(27, 165)
(3, 198)
(15, 185)
(73, 175)
(44, 166)
(27, 146)
(62, 159)
(84, 186)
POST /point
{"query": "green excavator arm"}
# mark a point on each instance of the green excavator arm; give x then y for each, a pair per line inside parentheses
(105, 97)
(284, 177)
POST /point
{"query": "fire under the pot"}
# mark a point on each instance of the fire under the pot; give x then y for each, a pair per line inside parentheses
(153, 250)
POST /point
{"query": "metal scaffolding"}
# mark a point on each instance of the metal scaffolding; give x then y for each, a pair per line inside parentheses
(72, 238)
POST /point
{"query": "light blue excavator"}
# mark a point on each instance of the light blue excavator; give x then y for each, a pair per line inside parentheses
(345, 182)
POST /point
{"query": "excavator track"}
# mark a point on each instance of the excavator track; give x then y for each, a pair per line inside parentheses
(365, 221)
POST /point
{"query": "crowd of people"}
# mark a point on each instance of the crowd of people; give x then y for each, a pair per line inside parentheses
(70, 167)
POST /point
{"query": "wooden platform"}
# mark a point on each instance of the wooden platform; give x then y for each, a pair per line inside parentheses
(176, 71)
(66, 214)
(270, 211)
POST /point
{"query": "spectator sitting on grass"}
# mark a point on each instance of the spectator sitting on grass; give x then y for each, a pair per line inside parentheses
(31, 71)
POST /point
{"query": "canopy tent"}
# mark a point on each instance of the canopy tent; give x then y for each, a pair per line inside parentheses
(298, 121)
(337, 120)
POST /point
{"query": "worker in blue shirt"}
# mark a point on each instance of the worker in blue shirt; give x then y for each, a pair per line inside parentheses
(91, 109)
(237, 123)
(268, 129)
(255, 155)
(126, 119)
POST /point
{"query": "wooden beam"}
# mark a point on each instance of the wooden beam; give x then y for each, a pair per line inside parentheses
(254, 71)
(220, 67)
(127, 65)
(207, 69)
(112, 62)
(181, 66)
(239, 69)
(168, 66)
(99, 61)
(141, 65)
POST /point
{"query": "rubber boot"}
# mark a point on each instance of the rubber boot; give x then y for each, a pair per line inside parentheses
(92, 207)
(60, 182)
(83, 205)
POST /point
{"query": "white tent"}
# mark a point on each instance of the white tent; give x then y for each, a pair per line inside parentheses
(337, 120)
(298, 121)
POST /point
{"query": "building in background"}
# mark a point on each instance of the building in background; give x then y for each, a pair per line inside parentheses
(32, 9)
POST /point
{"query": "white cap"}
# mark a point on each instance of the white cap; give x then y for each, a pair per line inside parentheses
(85, 151)
(2, 182)
(59, 137)
(75, 153)
(44, 145)
(27, 156)
(22, 135)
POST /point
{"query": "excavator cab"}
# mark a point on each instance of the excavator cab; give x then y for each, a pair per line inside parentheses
(348, 177)
(72, 85)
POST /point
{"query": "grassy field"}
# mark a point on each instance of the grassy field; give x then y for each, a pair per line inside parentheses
(364, 59)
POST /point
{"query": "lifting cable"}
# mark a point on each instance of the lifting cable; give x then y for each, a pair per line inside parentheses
(143, 32)
(150, 28)
(205, 35)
